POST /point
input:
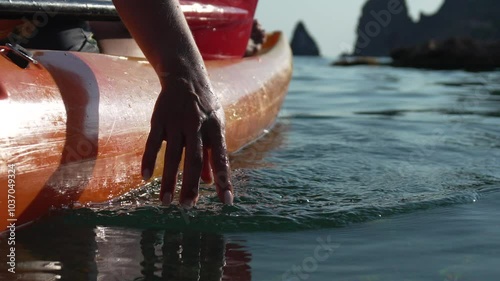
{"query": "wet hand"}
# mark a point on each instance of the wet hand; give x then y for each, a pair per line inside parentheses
(188, 115)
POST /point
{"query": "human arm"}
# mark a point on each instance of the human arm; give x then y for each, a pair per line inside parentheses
(187, 112)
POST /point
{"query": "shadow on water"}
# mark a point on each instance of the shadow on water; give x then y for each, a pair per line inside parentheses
(56, 249)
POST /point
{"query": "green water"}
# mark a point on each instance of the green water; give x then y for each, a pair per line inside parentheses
(371, 173)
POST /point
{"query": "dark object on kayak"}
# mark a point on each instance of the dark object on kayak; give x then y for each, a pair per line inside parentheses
(257, 38)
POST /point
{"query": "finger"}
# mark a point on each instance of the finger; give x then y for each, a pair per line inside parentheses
(193, 163)
(220, 163)
(153, 145)
(206, 172)
(173, 156)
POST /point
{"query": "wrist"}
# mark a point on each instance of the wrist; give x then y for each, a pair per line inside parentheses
(187, 63)
(195, 75)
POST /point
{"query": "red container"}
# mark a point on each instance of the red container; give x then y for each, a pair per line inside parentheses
(221, 28)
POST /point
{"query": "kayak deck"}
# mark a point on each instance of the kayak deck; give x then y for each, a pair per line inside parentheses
(75, 124)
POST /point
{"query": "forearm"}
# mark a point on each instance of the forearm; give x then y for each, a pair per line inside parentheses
(169, 46)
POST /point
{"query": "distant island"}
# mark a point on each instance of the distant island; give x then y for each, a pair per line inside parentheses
(385, 25)
(303, 44)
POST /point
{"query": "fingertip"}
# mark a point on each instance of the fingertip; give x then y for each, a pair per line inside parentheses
(147, 167)
(228, 198)
(189, 197)
(146, 174)
(167, 199)
(188, 204)
(193, 167)
(223, 182)
(206, 172)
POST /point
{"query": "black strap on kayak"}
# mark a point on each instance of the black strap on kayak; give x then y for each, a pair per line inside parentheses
(43, 10)
(18, 55)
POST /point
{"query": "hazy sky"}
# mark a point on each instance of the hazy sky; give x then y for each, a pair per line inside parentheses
(331, 22)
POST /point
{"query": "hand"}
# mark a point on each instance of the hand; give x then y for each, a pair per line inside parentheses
(188, 115)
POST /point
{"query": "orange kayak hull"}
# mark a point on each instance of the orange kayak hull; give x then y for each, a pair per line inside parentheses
(74, 126)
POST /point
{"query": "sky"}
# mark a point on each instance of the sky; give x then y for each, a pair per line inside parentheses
(332, 23)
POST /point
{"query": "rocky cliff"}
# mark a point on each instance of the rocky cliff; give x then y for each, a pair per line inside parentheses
(385, 24)
(302, 42)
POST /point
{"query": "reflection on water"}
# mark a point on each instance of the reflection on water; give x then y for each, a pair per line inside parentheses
(254, 155)
(72, 252)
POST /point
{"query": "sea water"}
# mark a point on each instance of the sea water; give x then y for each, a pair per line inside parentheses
(370, 173)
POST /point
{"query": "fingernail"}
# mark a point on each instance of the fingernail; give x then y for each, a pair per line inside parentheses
(146, 174)
(167, 199)
(228, 197)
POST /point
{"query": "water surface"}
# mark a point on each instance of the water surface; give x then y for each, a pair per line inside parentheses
(371, 173)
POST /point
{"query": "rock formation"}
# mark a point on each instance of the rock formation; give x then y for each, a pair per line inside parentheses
(454, 53)
(385, 24)
(302, 42)
(354, 61)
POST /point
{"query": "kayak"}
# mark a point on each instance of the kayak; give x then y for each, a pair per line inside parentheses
(74, 125)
